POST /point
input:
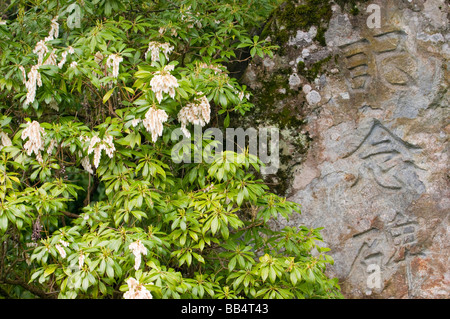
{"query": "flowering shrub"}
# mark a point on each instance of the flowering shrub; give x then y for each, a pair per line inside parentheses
(81, 77)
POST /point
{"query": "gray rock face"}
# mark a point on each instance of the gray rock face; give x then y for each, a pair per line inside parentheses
(376, 174)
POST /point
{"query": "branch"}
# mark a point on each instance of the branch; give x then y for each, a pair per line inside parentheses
(34, 290)
(5, 294)
(71, 215)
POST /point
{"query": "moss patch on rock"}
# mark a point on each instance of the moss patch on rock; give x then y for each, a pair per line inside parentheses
(311, 72)
(290, 17)
(351, 6)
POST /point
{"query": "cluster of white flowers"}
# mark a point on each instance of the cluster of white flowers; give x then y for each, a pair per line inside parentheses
(208, 188)
(241, 95)
(35, 133)
(34, 78)
(197, 113)
(153, 122)
(51, 60)
(61, 250)
(85, 162)
(51, 146)
(155, 47)
(137, 248)
(87, 165)
(74, 64)
(164, 82)
(136, 290)
(4, 140)
(69, 50)
(54, 30)
(97, 145)
(81, 260)
(63, 59)
(203, 65)
(173, 31)
(114, 62)
(96, 149)
(135, 122)
(2, 22)
(187, 16)
(24, 74)
(185, 13)
(41, 49)
(64, 243)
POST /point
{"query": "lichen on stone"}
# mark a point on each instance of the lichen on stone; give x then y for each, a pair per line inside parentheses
(292, 16)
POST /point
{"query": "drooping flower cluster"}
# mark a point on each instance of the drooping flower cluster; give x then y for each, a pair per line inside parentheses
(155, 47)
(41, 49)
(137, 248)
(54, 30)
(187, 16)
(61, 250)
(164, 82)
(97, 145)
(85, 162)
(64, 243)
(24, 74)
(4, 140)
(173, 31)
(135, 122)
(203, 65)
(34, 79)
(69, 50)
(242, 94)
(51, 146)
(153, 122)
(114, 62)
(197, 113)
(87, 165)
(81, 260)
(136, 290)
(51, 60)
(35, 144)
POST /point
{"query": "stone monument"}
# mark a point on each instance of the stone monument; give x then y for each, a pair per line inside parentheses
(373, 98)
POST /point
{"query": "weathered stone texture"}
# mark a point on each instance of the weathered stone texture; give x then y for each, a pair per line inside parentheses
(376, 172)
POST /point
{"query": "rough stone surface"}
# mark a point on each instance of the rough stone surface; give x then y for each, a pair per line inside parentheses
(375, 172)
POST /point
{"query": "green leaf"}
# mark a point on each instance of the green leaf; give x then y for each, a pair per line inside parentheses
(3, 223)
(232, 264)
(102, 288)
(110, 271)
(85, 284)
(50, 270)
(264, 273)
(272, 274)
(226, 121)
(240, 198)
(130, 90)
(108, 95)
(214, 225)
